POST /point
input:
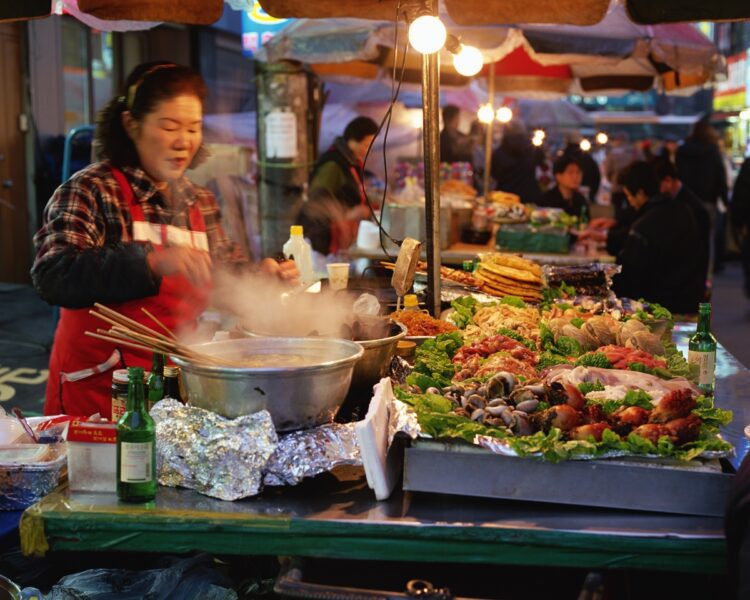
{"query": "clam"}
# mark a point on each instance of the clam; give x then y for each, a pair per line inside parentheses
(536, 392)
(497, 402)
(476, 401)
(521, 425)
(497, 411)
(528, 406)
(432, 390)
(478, 415)
(500, 385)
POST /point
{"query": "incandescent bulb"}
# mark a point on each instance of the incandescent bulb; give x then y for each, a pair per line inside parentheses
(585, 145)
(539, 133)
(504, 114)
(602, 138)
(537, 141)
(468, 61)
(427, 34)
(486, 114)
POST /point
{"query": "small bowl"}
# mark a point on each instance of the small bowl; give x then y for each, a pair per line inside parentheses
(419, 339)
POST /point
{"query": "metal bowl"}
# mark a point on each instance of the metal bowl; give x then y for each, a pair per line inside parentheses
(377, 356)
(297, 397)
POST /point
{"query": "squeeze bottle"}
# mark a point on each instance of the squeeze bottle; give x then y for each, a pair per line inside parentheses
(298, 247)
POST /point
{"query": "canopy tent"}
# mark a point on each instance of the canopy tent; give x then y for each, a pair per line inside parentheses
(613, 56)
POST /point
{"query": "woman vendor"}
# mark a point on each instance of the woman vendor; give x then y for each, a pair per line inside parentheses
(131, 231)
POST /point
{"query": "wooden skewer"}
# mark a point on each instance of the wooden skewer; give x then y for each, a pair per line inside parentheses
(116, 340)
(123, 320)
(159, 323)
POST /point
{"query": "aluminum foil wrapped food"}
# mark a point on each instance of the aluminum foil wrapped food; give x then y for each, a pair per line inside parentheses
(203, 451)
(310, 452)
(28, 472)
(402, 419)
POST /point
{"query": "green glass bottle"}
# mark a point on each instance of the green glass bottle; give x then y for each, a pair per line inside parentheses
(155, 381)
(702, 350)
(136, 445)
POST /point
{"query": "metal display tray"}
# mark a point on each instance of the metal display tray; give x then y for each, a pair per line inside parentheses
(697, 487)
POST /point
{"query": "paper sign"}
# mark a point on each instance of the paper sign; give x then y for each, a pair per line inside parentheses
(281, 135)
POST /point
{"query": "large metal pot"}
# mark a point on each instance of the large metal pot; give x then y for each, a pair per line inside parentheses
(297, 396)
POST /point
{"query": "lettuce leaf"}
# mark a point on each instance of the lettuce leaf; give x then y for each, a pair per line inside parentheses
(464, 309)
(433, 361)
(514, 301)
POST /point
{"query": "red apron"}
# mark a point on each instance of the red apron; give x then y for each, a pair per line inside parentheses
(80, 367)
(344, 232)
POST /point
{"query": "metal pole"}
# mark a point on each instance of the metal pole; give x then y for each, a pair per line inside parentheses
(488, 138)
(431, 134)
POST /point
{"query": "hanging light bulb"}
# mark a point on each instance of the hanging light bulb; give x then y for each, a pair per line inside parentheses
(585, 145)
(539, 133)
(537, 141)
(468, 61)
(602, 138)
(427, 34)
(504, 114)
(486, 114)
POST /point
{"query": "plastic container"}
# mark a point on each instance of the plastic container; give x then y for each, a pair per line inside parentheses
(92, 456)
(298, 247)
(411, 302)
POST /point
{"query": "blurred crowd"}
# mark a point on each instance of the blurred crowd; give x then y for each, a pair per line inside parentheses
(669, 210)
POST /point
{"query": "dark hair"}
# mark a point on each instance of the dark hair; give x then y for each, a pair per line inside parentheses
(360, 128)
(450, 112)
(563, 161)
(639, 175)
(703, 132)
(146, 86)
(663, 168)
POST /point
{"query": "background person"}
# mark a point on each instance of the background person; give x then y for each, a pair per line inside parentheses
(455, 145)
(660, 261)
(131, 231)
(339, 177)
(514, 164)
(568, 175)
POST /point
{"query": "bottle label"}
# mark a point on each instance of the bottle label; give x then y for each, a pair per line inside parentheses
(706, 362)
(119, 405)
(135, 462)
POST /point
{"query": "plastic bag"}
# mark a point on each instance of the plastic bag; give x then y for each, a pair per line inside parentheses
(185, 580)
(366, 304)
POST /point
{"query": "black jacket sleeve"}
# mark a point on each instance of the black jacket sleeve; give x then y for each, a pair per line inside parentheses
(114, 273)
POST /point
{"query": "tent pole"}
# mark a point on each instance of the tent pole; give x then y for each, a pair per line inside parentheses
(431, 133)
(488, 137)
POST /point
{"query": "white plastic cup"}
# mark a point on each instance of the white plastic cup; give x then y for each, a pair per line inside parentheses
(338, 275)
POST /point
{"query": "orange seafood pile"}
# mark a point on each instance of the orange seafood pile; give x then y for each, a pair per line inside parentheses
(421, 323)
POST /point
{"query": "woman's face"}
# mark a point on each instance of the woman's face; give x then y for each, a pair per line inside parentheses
(570, 178)
(167, 138)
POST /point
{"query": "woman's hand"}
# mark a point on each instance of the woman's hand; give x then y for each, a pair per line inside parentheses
(286, 271)
(195, 265)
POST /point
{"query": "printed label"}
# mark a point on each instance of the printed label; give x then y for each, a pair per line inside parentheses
(706, 362)
(119, 404)
(135, 462)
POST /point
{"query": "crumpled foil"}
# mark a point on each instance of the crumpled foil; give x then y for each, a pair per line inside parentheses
(310, 452)
(21, 485)
(203, 451)
(402, 419)
(399, 370)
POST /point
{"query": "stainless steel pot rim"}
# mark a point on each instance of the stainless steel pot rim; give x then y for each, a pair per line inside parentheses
(356, 353)
(385, 340)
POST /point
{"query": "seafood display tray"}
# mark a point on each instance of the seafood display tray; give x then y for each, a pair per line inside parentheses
(697, 487)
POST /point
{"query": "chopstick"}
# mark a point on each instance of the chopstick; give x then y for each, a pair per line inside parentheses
(124, 330)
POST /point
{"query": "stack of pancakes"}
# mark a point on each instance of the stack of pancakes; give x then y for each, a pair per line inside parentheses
(510, 275)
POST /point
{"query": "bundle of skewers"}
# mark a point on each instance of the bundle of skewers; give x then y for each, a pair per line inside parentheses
(125, 331)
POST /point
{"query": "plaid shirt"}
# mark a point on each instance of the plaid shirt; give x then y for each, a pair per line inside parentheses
(85, 239)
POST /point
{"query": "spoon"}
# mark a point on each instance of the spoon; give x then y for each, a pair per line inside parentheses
(24, 423)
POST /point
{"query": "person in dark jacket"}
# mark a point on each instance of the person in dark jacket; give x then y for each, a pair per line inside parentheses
(514, 164)
(592, 175)
(339, 175)
(740, 212)
(670, 186)
(455, 145)
(565, 195)
(701, 168)
(659, 259)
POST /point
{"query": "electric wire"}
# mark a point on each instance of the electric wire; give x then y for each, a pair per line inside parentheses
(386, 121)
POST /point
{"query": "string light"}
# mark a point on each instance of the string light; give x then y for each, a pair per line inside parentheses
(486, 114)
(585, 145)
(427, 34)
(504, 114)
(602, 138)
(468, 61)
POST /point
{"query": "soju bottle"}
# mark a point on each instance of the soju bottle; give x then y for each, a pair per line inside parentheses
(172, 383)
(702, 350)
(136, 445)
(155, 381)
